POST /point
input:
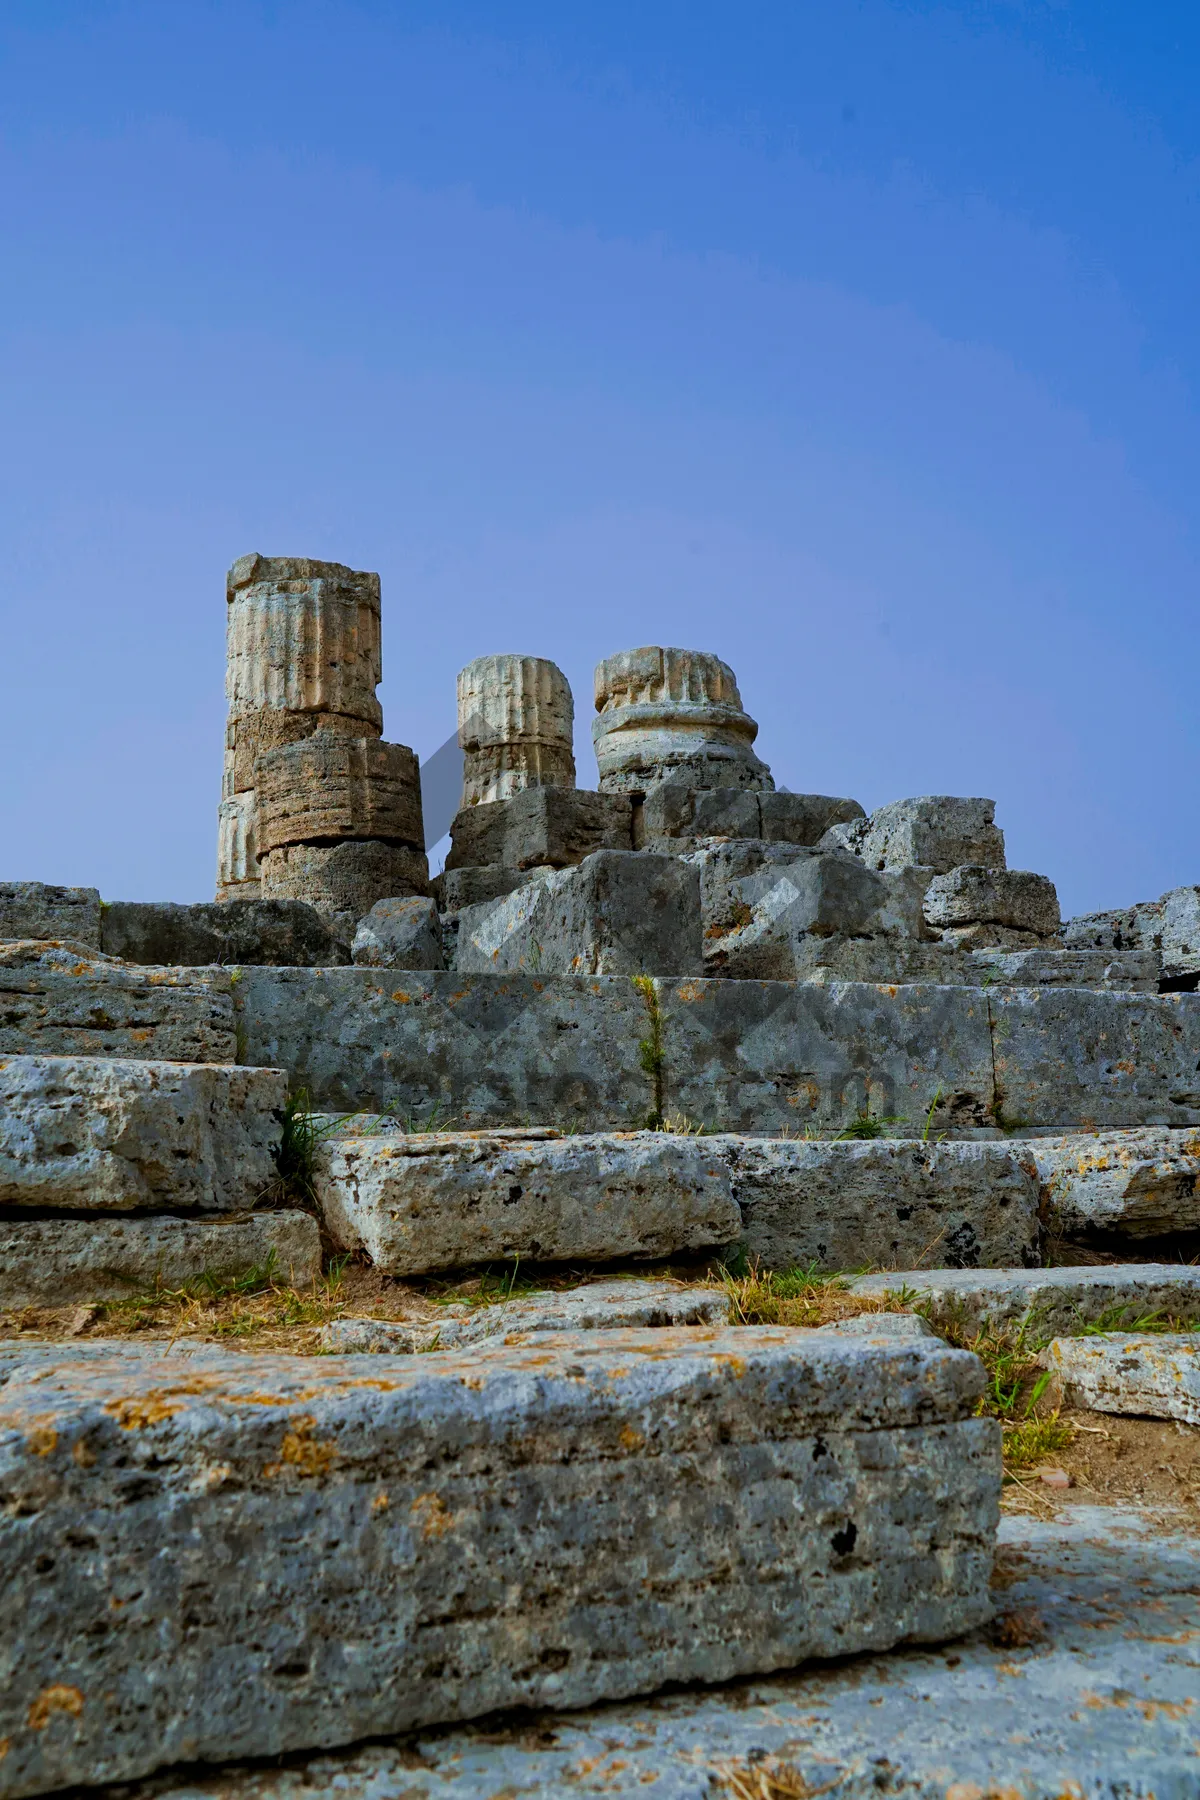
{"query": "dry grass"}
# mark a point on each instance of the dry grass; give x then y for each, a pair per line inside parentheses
(769, 1779)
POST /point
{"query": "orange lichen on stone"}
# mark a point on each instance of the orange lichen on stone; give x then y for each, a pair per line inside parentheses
(41, 1438)
(134, 1415)
(431, 1516)
(57, 1698)
(301, 1451)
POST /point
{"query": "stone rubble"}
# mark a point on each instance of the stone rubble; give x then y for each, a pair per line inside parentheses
(1153, 1374)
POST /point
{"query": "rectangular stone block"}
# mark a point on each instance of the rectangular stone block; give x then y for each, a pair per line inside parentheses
(64, 1261)
(32, 909)
(215, 1555)
(804, 818)
(554, 827)
(1043, 1301)
(54, 1002)
(1139, 1183)
(1129, 971)
(232, 932)
(780, 916)
(891, 1203)
(455, 889)
(1012, 897)
(328, 787)
(469, 1050)
(1154, 1374)
(86, 1134)
(617, 913)
(417, 1203)
(935, 831)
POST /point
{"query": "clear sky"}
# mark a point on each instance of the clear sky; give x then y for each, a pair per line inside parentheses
(856, 343)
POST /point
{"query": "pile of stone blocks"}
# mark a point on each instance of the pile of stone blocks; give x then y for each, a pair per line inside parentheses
(120, 1176)
(1165, 931)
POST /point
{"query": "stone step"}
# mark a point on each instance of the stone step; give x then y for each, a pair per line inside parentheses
(1085, 1684)
(1143, 1183)
(58, 1261)
(220, 1555)
(1045, 1301)
(107, 1134)
(1155, 1374)
(62, 1000)
(601, 1306)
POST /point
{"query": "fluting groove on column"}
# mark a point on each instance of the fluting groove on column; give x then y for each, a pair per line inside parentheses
(515, 726)
(666, 712)
(303, 636)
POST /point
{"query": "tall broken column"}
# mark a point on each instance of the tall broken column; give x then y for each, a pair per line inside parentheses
(668, 714)
(315, 806)
(516, 724)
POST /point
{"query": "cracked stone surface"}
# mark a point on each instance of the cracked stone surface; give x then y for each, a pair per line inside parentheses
(1047, 1300)
(1154, 1374)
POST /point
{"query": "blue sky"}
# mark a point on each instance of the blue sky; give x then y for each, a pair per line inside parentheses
(857, 344)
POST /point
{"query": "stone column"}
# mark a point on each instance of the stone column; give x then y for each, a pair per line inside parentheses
(673, 714)
(515, 725)
(302, 656)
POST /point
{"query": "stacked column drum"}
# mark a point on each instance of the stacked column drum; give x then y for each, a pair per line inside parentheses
(515, 726)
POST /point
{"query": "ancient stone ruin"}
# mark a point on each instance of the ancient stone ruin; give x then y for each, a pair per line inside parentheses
(628, 1260)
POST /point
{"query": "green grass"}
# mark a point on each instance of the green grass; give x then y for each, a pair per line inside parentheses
(1124, 1316)
(651, 1054)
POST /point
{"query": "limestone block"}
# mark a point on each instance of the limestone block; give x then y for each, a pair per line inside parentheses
(346, 878)
(1168, 927)
(889, 1201)
(676, 809)
(668, 710)
(237, 848)
(475, 1051)
(31, 909)
(306, 1553)
(600, 1306)
(617, 913)
(1156, 1375)
(256, 734)
(302, 636)
(876, 959)
(400, 934)
(545, 827)
(418, 1203)
(454, 889)
(61, 1262)
(516, 724)
(881, 1325)
(1044, 1301)
(233, 932)
(1013, 897)
(327, 788)
(1141, 1183)
(1117, 929)
(58, 1001)
(804, 818)
(937, 831)
(1130, 971)
(100, 1134)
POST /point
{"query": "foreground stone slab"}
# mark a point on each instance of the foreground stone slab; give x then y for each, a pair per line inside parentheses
(103, 1134)
(888, 1201)
(34, 909)
(303, 1553)
(1155, 1374)
(1141, 1183)
(232, 932)
(57, 1001)
(601, 1306)
(57, 1261)
(417, 1203)
(1044, 1300)
(1085, 1685)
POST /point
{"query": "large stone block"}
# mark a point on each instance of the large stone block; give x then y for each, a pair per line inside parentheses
(258, 733)
(417, 1204)
(668, 711)
(1155, 1374)
(232, 932)
(346, 878)
(804, 818)
(935, 831)
(60, 1262)
(302, 636)
(57, 1002)
(32, 909)
(471, 1050)
(543, 827)
(326, 788)
(1043, 1301)
(400, 934)
(93, 1133)
(1126, 971)
(516, 722)
(1012, 897)
(455, 889)
(220, 1555)
(618, 913)
(1139, 1183)
(889, 1202)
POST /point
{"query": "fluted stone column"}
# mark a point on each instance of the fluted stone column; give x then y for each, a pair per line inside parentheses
(669, 713)
(515, 726)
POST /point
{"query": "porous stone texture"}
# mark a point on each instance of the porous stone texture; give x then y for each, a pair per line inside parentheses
(936, 831)
(675, 808)
(158, 932)
(617, 913)
(257, 734)
(1139, 1183)
(455, 889)
(893, 1202)
(546, 827)
(1044, 1301)
(1169, 927)
(418, 1203)
(237, 848)
(1154, 1374)
(803, 818)
(60, 1261)
(601, 1306)
(891, 960)
(1084, 1685)
(57, 1001)
(307, 1553)
(327, 788)
(97, 1134)
(881, 1325)
(665, 711)
(344, 879)
(1131, 971)
(33, 909)
(302, 636)
(400, 934)
(516, 724)
(993, 896)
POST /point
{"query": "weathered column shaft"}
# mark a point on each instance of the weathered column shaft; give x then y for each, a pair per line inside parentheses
(515, 725)
(672, 713)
